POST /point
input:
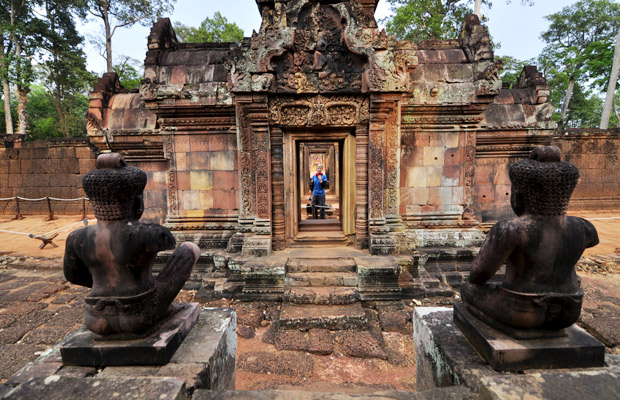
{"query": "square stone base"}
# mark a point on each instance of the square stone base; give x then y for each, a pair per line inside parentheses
(205, 360)
(577, 349)
(83, 349)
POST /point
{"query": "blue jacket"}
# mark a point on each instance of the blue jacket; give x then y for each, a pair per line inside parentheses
(319, 188)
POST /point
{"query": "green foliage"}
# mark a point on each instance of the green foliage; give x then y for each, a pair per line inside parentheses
(116, 14)
(512, 69)
(44, 120)
(129, 72)
(584, 110)
(577, 49)
(216, 29)
(430, 19)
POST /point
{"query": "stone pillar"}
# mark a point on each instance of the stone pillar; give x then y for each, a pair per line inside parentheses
(361, 185)
(384, 173)
(255, 168)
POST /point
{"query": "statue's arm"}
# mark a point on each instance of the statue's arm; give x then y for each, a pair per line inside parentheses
(591, 234)
(157, 238)
(497, 247)
(75, 270)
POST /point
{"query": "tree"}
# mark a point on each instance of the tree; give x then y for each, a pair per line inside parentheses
(511, 69)
(431, 19)
(571, 35)
(122, 13)
(611, 87)
(216, 29)
(62, 67)
(129, 72)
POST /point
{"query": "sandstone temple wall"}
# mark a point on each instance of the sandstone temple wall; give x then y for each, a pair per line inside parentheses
(597, 155)
(44, 168)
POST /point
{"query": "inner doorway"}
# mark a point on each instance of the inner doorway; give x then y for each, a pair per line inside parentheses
(309, 156)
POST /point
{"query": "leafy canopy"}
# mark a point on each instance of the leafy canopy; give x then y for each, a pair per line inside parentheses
(216, 29)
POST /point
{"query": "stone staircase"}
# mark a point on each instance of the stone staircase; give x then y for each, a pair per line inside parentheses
(312, 238)
(321, 293)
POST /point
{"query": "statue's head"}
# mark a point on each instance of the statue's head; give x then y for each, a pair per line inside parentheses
(115, 189)
(542, 184)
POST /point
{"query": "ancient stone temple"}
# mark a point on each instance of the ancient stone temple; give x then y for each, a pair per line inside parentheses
(418, 136)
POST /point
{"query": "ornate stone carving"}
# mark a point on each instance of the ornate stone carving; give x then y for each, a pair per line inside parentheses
(468, 184)
(318, 110)
(171, 181)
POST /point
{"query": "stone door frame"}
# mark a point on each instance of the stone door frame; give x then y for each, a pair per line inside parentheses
(290, 206)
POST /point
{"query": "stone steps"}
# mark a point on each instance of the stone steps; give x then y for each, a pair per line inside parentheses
(347, 279)
(331, 317)
(321, 295)
(320, 265)
(320, 239)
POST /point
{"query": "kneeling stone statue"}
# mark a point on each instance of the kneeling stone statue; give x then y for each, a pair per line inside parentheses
(114, 258)
(540, 248)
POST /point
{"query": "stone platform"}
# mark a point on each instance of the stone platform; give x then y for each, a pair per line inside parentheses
(445, 358)
(205, 360)
(574, 349)
(83, 348)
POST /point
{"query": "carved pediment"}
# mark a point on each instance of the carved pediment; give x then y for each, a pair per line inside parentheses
(307, 46)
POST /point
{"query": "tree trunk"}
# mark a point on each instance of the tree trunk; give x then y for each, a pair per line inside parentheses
(569, 94)
(22, 114)
(611, 87)
(477, 8)
(6, 89)
(617, 115)
(108, 38)
(22, 88)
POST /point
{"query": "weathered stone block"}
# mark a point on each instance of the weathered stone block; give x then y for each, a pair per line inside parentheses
(433, 176)
(223, 160)
(180, 161)
(199, 160)
(56, 387)
(225, 199)
(225, 180)
(181, 144)
(433, 156)
(183, 180)
(416, 177)
(190, 200)
(459, 73)
(206, 199)
(592, 384)
(201, 180)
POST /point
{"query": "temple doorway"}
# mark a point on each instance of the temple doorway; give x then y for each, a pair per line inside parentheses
(309, 156)
(336, 153)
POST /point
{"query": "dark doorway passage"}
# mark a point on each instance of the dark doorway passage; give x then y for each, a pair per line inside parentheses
(309, 156)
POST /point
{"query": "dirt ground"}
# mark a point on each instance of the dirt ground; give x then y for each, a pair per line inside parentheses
(36, 305)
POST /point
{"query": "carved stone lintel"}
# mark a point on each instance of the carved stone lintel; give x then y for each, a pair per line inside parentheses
(318, 110)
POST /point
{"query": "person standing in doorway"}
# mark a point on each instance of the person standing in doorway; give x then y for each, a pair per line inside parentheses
(319, 183)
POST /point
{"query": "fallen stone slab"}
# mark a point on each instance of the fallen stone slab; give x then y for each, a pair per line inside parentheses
(283, 363)
(309, 316)
(316, 341)
(56, 387)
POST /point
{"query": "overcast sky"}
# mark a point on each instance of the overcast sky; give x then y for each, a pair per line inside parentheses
(517, 28)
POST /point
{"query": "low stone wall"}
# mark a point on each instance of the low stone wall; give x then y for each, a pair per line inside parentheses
(597, 155)
(44, 168)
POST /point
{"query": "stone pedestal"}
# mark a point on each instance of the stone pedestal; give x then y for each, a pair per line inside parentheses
(575, 348)
(83, 348)
(205, 360)
(445, 358)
